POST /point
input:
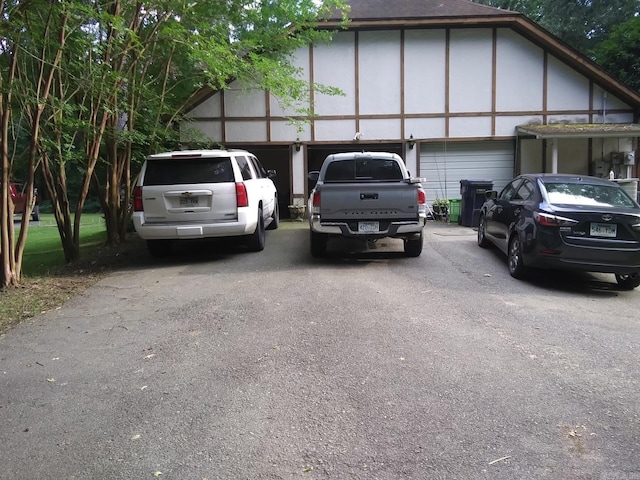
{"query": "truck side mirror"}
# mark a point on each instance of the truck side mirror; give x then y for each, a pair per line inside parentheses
(313, 176)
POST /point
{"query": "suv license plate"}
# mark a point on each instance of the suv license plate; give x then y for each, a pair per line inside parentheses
(368, 227)
(604, 230)
(188, 201)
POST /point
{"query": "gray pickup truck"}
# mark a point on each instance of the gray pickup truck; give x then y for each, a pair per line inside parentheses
(368, 195)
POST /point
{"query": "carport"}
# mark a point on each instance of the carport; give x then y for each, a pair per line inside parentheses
(592, 149)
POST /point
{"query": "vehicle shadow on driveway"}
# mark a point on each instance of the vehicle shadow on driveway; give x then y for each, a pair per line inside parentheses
(566, 281)
(574, 282)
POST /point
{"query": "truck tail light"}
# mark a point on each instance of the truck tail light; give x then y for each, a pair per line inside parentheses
(242, 199)
(137, 199)
(316, 199)
(422, 197)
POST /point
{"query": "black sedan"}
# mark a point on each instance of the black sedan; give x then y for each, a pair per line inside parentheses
(562, 221)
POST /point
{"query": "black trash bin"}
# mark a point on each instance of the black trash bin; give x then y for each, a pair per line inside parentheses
(472, 193)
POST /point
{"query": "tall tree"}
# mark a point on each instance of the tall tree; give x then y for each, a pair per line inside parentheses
(102, 81)
(620, 53)
(582, 24)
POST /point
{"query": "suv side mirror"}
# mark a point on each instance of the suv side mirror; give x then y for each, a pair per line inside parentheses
(491, 194)
(271, 173)
(313, 176)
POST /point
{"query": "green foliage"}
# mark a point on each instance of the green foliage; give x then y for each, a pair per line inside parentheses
(620, 53)
(583, 24)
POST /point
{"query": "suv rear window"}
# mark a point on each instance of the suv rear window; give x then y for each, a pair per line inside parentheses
(363, 169)
(192, 170)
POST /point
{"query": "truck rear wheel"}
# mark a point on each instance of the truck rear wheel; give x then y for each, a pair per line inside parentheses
(413, 246)
(318, 243)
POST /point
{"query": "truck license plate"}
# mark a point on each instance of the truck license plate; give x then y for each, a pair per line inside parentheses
(604, 230)
(367, 227)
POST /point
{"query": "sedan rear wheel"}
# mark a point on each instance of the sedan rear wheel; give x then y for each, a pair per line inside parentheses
(514, 258)
(482, 232)
(629, 281)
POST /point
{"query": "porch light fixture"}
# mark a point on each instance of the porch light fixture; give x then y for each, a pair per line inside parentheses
(297, 144)
(412, 142)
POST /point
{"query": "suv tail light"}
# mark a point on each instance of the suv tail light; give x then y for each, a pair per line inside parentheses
(242, 199)
(549, 220)
(137, 199)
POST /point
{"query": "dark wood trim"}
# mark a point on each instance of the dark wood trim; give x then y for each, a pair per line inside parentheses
(223, 110)
(447, 82)
(267, 107)
(494, 80)
(312, 92)
(545, 86)
(356, 57)
(391, 116)
(402, 83)
(591, 91)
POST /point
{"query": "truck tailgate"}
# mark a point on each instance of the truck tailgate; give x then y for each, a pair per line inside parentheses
(350, 201)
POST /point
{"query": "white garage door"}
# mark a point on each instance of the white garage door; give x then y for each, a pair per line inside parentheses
(443, 165)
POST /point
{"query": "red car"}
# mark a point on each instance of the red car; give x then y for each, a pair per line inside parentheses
(19, 197)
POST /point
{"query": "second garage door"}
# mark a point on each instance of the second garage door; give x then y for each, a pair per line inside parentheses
(443, 165)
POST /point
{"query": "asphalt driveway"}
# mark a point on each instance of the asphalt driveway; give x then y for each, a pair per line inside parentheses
(224, 364)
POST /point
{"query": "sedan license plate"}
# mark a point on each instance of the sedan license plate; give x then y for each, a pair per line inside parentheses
(188, 201)
(368, 227)
(604, 230)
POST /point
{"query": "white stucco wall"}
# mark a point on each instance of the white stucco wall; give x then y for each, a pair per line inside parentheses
(567, 89)
(334, 65)
(424, 68)
(471, 72)
(519, 73)
(379, 72)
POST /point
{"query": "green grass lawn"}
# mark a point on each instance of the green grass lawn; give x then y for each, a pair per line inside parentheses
(43, 252)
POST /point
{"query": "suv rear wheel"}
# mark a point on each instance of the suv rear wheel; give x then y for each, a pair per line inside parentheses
(255, 241)
(275, 217)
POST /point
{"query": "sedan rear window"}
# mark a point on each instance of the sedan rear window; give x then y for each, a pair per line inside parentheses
(189, 171)
(368, 169)
(587, 194)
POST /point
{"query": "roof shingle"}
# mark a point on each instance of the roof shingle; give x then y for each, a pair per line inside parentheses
(417, 9)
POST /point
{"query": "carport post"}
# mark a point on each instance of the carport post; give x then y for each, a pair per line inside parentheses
(554, 155)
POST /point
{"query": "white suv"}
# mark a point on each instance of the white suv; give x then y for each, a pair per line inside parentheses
(203, 194)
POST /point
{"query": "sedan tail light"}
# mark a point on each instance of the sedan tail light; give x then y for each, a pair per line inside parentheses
(242, 199)
(549, 220)
(137, 199)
